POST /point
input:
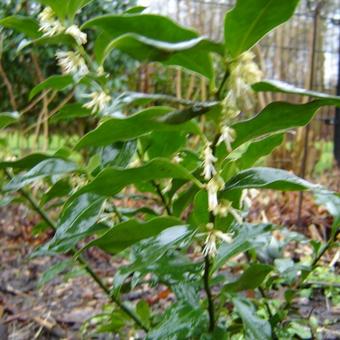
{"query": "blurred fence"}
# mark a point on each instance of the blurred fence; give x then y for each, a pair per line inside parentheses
(284, 54)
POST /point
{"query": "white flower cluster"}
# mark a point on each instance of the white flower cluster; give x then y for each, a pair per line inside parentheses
(99, 101)
(214, 185)
(49, 24)
(72, 62)
(243, 73)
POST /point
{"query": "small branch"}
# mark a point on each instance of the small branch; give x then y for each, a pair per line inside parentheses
(162, 197)
(211, 310)
(81, 260)
(9, 87)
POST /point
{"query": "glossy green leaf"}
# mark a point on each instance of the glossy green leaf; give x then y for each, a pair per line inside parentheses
(71, 111)
(112, 180)
(163, 143)
(282, 87)
(65, 8)
(125, 234)
(118, 155)
(59, 189)
(76, 220)
(192, 55)
(46, 168)
(257, 150)
(8, 118)
(183, 200)
(135, 10)
(250, 20)
(55, 270)
(123, 129)
(200, 213)
(276, 117)
(22, 24)
(139, 124)
(269, 178)
(256, 328)
(56, 83)
(26, 162)
(250, 279)
(180, 321)
(148, 25)
(241, 243)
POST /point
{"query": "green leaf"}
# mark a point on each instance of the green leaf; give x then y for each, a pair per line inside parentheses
(22, 24)
(180, 321)
(241, 243)
(112, 180)
(192, 55)
(75, 5)
(8, 118)
(200, 213)
(55, 270)
(125, 234)
(276, 117)
(257, 150)
(282, 87)
(183, 200)
(256, 327)
(76, 220)
(56, 83)
(154, 38)
(46, 168)
(250, 20)
(163, 143)
(119, 154)
(123, 129)
(148, 25)
(65, 8)
(71, 111)
(268, 178)
(135, 10)
(59, 189)
(152, 119)
(250, 279)
(144, 312)
(26, 162)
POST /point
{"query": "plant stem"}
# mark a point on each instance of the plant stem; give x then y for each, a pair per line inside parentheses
(207, 289)
(219, 90)
(80, 259)
(162, 197)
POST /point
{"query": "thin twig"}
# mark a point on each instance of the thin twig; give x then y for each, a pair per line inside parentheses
(211, 309)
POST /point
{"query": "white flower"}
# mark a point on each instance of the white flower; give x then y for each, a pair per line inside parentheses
(49, 24)
(72, 63)
(99, 101)
(77, 34)
(227, 136)
(208, 162)
(225, 208)
(210, 248)
(213, 187)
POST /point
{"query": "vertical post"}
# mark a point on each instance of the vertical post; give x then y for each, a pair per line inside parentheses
(337, 117)
(311, 85)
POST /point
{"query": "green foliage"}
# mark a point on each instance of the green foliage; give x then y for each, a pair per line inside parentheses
(189, 179)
